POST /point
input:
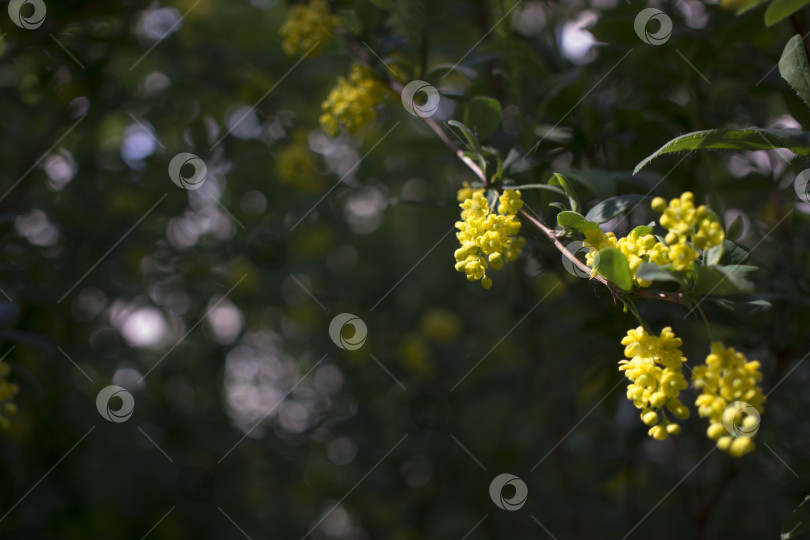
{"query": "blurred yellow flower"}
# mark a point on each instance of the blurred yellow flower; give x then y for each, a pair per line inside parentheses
(440, 325)
(296, 165)
(353, 102)
(308, 26)
(7, 392)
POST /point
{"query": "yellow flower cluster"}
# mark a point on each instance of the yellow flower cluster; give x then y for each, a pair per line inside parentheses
(308, 26)
(683, 221)
(7, 392)
(296, 165)
(487, 239)
(353, 102)
(636, 247)
(655, 372)
(728, 377)
(686, 222)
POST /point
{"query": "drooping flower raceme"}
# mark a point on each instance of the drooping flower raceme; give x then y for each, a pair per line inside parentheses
(655, 371)
(353, 102)
(487, 239)
(308, 26)
(728, 377)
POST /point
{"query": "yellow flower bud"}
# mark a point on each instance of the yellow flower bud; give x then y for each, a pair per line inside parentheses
(658, 399)
(715, 431)
(741, 446)
(650, 418)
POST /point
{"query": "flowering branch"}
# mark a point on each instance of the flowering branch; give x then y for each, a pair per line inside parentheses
(549, 233)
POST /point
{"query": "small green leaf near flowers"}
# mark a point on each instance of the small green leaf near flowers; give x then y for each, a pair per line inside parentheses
(612, 265)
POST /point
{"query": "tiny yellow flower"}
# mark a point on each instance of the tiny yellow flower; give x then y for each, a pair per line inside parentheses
(680, 214)
(510, 202)
(682, 255)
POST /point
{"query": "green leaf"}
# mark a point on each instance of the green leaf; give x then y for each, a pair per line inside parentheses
(610, 208)
(794, 69)
(733, 253)
(794, 140)
(597, 181)
(445, 67)
(558, 179)
(642, 230)
(555, 189)
(472, 140)
(746, 5)
(723, 280)
(744, 308)
(735, 229)
(573, 221)
(492, 197)
(714, 254)
(517, 161)
(652, 272)
(612, 265)
(554, 134)
(798, 522)
(484, 115)
(782, 9)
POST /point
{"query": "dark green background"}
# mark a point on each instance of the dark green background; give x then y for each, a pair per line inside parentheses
(548, 379)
